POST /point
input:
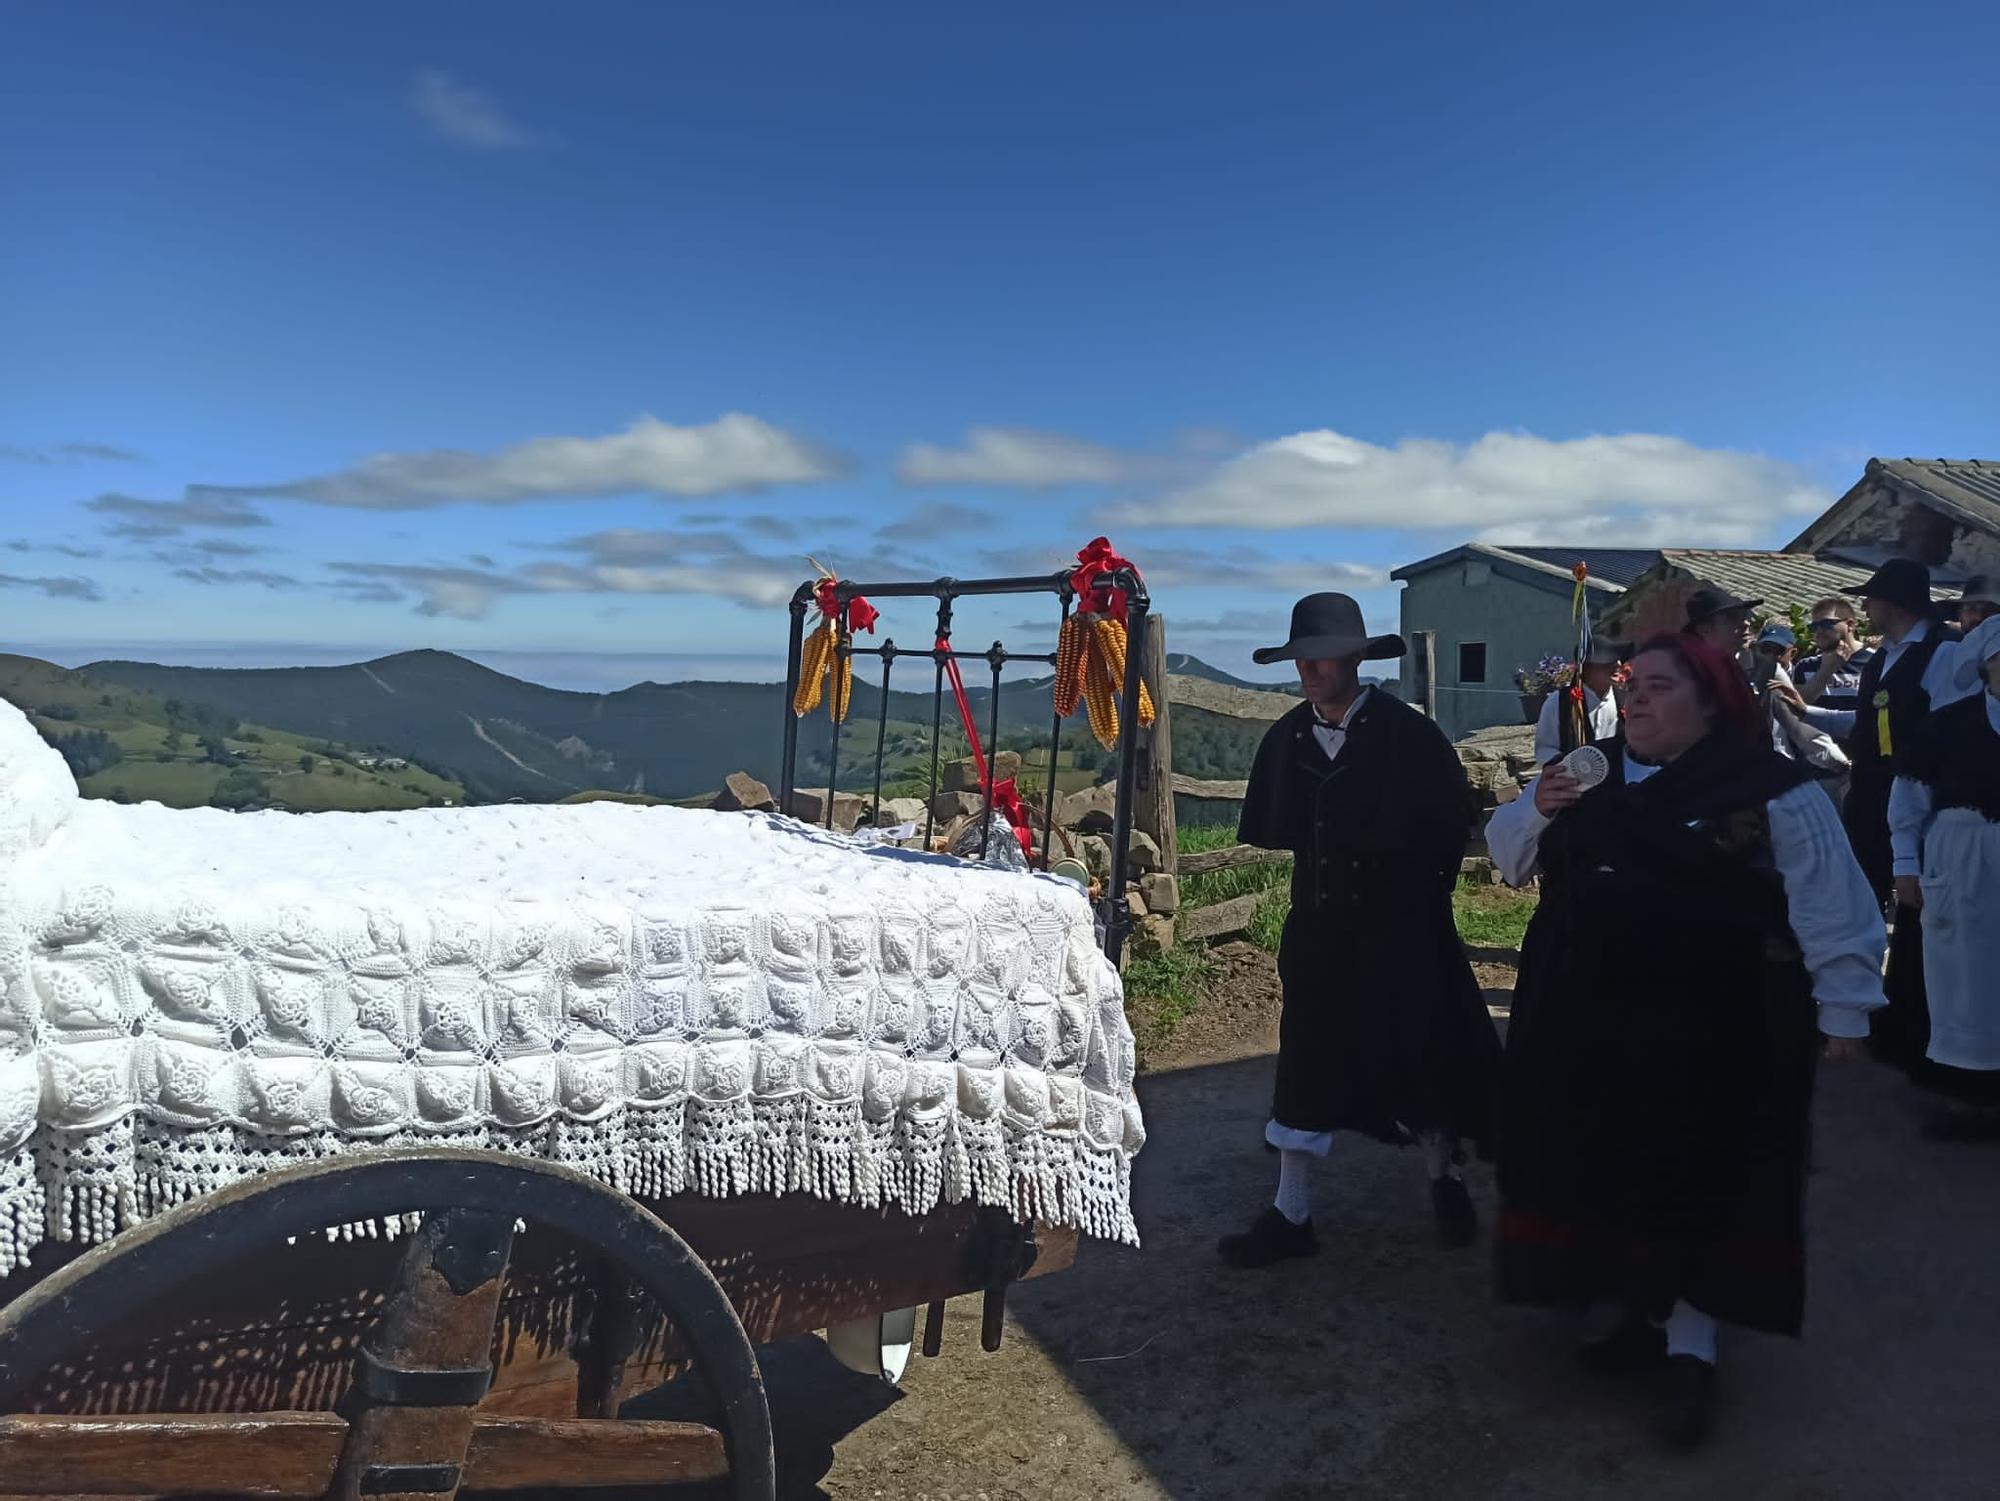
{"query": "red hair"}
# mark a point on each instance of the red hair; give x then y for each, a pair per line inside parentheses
(1721, 681)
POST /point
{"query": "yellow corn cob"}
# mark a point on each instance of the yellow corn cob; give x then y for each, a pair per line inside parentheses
(843, 683)
(1110, 637)
(1145, 703)
(1069, 667)
(812, 669)
(1099, 700)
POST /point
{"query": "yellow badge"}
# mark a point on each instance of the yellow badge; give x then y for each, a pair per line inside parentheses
(1882, 740)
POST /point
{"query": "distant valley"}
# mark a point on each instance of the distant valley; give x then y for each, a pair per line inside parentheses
(428, 727)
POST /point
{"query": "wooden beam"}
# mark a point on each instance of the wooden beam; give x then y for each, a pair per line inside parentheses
(1229, 858)
(1228, 701)
(1219, 792)
(287, 1454)
(1222, 920)
(1153, 808)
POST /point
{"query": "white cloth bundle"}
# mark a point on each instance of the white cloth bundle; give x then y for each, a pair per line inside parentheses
(670, 1000)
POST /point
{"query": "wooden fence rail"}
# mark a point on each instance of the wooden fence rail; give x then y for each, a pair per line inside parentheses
(1229, 858)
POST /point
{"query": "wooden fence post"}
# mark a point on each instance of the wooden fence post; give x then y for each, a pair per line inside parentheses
(1153, 809)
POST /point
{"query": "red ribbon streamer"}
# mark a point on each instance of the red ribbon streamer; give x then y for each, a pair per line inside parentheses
(1094, 565)
(1004, 795)
(861, 615)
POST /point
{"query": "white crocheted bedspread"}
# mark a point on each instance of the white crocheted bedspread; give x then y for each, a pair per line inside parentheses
(671, 1001)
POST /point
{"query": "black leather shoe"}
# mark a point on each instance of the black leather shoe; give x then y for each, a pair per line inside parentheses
(1270, 1238)
(1634, 1345)
(1689, 1409)
(1457, 1224)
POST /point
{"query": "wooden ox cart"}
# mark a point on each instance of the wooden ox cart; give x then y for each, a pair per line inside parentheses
(463, 1356)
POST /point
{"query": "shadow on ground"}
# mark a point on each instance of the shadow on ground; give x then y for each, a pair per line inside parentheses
(1384, 1368)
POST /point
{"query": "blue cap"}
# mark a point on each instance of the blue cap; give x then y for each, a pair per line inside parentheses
(1777, 635)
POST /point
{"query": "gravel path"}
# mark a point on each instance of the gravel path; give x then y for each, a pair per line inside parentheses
(1383, 1368)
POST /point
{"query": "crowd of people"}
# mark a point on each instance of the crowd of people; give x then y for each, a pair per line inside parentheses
(1738, 833)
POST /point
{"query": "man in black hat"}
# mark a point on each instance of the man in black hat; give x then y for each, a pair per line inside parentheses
(1384, 1031)
(1553, 734)
(1722, 620)
(1893, 698)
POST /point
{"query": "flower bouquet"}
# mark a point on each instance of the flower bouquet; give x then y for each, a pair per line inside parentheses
(1536, 683)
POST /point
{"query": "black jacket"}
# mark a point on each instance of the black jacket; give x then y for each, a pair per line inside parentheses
(1384, 1029)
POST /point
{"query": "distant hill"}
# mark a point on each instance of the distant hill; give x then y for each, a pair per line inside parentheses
(499, 737)
(132, 745)
(1193, 667)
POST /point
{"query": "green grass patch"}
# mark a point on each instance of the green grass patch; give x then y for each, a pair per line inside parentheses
(1489, 916)
(1162, 992)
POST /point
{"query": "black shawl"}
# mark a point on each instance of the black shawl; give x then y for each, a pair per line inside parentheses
(1660, 1053)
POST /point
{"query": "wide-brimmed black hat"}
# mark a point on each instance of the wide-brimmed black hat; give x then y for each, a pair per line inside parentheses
(1981, 589)
(1326, 626)
(1901, 581)
(1604, 652)
(1707, 602)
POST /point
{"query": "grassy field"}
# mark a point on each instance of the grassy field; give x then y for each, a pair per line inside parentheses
(1488, 917)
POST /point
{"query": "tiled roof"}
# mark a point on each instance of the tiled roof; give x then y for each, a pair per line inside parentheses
(1968, 485)
(1615, 565)
(1611, 568)
(1781, 579)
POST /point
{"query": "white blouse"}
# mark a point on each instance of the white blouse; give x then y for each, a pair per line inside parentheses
(1834, 916)
(1910, 810)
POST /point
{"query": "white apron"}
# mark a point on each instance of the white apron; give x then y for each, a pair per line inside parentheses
(1961, 882)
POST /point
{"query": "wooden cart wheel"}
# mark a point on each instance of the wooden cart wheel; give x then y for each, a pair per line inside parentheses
(409, 1425)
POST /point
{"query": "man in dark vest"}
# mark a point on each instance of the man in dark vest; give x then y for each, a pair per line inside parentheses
(1890, 704)
(1384, 1031)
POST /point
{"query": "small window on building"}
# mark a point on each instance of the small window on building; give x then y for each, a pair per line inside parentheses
(1472, 661)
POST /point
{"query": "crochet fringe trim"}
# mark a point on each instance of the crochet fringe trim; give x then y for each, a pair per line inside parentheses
(85, 1186)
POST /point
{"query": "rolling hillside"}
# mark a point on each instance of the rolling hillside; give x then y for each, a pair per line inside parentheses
(500, 737)
(135, 746)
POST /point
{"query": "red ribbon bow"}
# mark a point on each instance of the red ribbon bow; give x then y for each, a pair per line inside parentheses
(861, 615)
(1094, 565)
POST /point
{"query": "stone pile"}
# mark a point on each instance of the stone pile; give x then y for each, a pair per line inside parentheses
(1499, 762)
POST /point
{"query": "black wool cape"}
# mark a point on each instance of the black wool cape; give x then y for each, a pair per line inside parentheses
(1384, 1030)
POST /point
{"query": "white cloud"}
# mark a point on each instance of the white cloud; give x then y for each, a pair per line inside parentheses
(54, 588)
(1019, 457)
(735, 453)
(620, 561)
(466, 115)
(168, 518)
(69, 453)
(1234, 567)
(1630, 487)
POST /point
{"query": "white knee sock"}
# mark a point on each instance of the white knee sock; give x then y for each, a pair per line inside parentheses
(1293, 1201)
(1690, 1332)
(1440, 1147)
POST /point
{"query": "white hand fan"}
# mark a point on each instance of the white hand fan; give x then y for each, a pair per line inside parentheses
(1587, 766)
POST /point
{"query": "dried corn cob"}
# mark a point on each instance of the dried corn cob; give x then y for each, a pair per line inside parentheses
(1099, 700)
(843, 680)
(1070, 648)
(812, 669)
(1111, 638)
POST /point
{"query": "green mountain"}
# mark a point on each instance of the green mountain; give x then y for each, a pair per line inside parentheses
(499, 737)
(132, 745)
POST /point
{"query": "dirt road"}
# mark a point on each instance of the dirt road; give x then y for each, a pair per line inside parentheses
(1384, 1369)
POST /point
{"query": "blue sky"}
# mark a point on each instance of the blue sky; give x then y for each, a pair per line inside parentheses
(568, 334)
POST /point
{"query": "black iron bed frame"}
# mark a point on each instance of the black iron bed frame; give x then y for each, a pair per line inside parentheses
(1115, 909)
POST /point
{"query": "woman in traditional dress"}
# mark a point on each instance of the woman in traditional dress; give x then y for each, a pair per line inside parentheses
(1702, 921)
(1944, 826)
